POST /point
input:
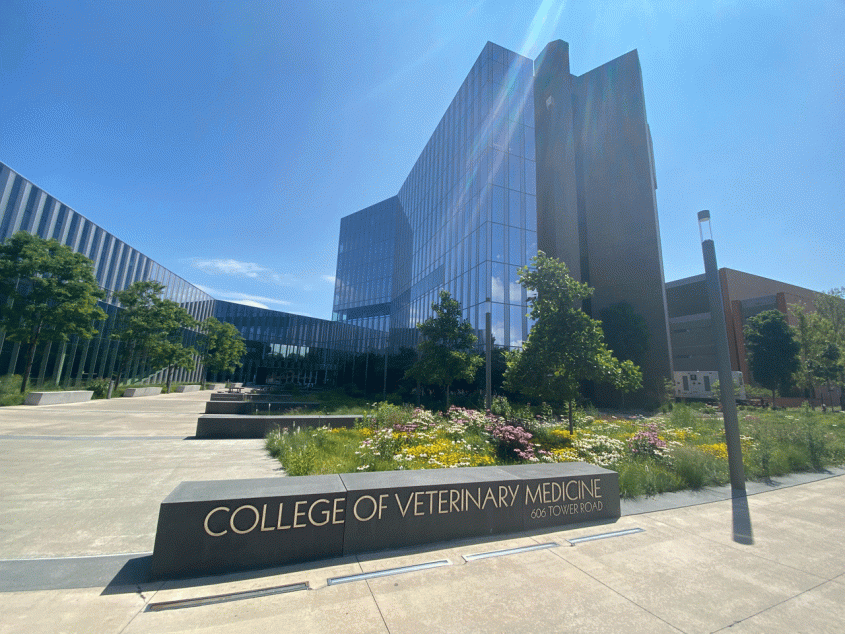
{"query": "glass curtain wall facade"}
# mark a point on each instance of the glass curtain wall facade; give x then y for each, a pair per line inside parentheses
(26, 207)
(527, 155)
(283, 348)
(468, 209)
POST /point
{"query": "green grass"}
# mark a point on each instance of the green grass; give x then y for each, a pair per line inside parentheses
(10, 386)
(10, 389)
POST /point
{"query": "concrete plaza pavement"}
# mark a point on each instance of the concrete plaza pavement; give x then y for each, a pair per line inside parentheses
(81, 484)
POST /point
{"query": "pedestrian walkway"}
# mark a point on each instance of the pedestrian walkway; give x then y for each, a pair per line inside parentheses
(81, 485)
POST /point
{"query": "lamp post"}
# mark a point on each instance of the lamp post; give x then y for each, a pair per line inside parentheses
(488, 355)
(723, 359)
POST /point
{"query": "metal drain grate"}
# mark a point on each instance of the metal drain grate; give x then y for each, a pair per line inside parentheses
(510, 551)
(390, 571)
(590, 538)
(225, 598)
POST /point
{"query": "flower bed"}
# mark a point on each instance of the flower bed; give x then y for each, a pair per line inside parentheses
(652, 455)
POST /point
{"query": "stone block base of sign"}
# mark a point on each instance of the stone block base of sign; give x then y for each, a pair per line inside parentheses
(258, 426)
(142, 391)
(231, 525)
(187, 388)
(56, 398)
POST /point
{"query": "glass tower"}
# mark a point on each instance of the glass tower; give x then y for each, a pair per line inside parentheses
(464, 220)
(527, 155)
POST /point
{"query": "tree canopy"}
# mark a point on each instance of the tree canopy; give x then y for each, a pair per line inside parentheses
(446, 347)
(151, 327)
(565, 346)
(48, 294)
(221, 346)
(773, 351)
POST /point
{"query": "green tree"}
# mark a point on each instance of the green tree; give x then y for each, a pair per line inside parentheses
(625, 332)
(830, 307)
(773, 351)
(221, 346)
(446, 347)
(629, 378)
(152, 328)
(168, 349)
(565, 346)
(827, 367)
(49, 293)
(808, 333)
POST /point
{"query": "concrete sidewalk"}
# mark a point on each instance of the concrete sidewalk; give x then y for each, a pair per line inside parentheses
(771, 562)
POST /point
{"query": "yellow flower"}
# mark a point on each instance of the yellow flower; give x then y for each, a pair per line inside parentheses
(717, 450)
(567, 454)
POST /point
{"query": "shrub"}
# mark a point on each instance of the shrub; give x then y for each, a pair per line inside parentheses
(647, 442)
(698, 468)
(645, 477)
(513, 443)
(386, 415)
(100, 387)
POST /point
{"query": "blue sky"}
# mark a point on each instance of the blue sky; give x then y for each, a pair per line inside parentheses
(226, 140)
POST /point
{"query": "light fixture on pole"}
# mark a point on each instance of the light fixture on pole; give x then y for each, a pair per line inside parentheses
(723, 359)
(488, 356)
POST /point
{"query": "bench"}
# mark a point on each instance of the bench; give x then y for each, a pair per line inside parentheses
(56, 398)
(142, 391)
(254, 426)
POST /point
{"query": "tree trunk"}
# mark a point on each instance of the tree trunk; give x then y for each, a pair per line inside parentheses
(169, 375)
(447, 398)
(571, 426)
(30, 358)
(773, 399)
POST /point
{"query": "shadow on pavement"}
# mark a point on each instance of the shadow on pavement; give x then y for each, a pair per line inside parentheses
(743, 533)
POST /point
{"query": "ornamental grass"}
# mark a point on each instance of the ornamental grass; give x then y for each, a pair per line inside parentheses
(683, 450)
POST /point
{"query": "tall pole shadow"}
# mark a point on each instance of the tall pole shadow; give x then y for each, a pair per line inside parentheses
(743, 533)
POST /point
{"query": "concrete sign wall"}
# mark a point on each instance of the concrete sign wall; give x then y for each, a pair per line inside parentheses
(224, 526)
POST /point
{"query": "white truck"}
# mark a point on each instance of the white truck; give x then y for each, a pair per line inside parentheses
(699, 384)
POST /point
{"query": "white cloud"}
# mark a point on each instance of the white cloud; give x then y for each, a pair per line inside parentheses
(259, 301)
(328, 278)
(249, 302)
(221, 266)
(236, 268)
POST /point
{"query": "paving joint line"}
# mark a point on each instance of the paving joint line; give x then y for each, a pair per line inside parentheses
(737, 547)
(378, 607)
(774, 605)
(615, 591)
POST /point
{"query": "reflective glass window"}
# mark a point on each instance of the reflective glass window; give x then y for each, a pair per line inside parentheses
(46, 214)
(528, 138)
(498, 250)
(530, 178)
(514, 208)
(498, 205)
(28, 209)
(516, 313)
(497, 282)
(530, 213)
(10, 206)
(60, 221)
(515, 251)
(71, 234)
(515, 172)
